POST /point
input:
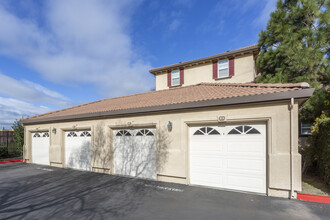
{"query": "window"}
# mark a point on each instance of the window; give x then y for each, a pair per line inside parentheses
(72, 134)
(244, 130)
(85, 134)
(123, 133)
(46, 134)
(223, 68)
(175, 78)
(144, 132)
(305, 129)
(206, 131)
(36, 135)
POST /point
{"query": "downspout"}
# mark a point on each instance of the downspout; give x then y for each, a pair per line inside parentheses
(292, 196)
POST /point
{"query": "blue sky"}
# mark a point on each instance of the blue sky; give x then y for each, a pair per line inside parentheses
(56, 54)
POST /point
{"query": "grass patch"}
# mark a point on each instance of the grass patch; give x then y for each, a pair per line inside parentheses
(314, 185)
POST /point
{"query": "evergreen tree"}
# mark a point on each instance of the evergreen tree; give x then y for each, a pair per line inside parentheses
(18, 137)
(295, 48)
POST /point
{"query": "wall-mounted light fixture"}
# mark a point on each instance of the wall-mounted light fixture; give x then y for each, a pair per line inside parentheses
(54, 130)
(169, 126)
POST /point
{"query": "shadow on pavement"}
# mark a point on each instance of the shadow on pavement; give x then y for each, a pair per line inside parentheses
(89, 195)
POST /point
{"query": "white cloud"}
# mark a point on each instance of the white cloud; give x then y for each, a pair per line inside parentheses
(79, 42)
(11, 109)
(31, 92)
(262, 19)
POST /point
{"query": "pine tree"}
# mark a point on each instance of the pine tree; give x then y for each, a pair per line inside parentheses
(18, 137)
(295, 48)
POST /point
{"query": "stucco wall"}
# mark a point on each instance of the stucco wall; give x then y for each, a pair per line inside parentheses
(244, 72)
(175, 144)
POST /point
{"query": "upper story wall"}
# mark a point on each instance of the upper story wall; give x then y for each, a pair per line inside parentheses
(242, 69)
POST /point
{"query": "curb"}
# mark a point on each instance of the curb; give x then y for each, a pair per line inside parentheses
(313, 198)
(12, 161)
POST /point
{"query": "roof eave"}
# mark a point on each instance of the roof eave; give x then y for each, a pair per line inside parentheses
(298, 94)
(205, 59)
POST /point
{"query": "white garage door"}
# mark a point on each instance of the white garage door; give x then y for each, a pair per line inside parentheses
(40, 148)
(230, 157)
(78, 150)
(135, 152)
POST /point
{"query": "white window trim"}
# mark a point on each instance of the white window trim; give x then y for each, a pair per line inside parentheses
(219, 77)
(303, 126)
(178, 77)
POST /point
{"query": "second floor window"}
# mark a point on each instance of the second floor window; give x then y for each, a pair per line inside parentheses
(175, 77)
(223, 68)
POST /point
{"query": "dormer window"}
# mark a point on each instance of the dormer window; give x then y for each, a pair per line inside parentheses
(223, 68)
(175, 77)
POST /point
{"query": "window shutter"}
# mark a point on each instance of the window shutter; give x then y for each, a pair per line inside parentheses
(169, 80)
(231, 67)
(215, 69)
(181, 76)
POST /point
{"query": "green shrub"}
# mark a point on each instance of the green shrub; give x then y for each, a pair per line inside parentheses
(3, 151)
(320, 141)
(317, 155)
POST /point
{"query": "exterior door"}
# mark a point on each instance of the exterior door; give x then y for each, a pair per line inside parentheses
(229, 156)
(135, 152)
(78, 154)
(40, 148)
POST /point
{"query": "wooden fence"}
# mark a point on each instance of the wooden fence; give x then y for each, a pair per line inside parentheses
(7, 140)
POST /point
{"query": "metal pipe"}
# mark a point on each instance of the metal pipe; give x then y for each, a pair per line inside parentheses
(292, 196)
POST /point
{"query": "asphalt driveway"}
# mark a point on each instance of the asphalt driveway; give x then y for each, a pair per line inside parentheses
(41, 192)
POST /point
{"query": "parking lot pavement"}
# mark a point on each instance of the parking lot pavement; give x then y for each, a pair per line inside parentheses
(41, 192)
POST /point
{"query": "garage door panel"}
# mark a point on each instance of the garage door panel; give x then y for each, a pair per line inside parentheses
(245, 165)
(233, 161)
(255, 146)
(209, 179)
(78, 150)
(40, 148)
(206, 161)
(135, 154)
(210, 148)
(246, 183)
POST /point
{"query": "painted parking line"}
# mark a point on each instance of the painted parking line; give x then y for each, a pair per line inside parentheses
(45, 169)
(164, 188)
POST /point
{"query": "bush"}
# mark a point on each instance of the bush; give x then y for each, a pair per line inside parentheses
(320, 143)
(316, 156)
(3, 151)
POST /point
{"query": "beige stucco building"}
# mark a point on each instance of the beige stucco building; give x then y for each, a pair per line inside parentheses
(206, 124)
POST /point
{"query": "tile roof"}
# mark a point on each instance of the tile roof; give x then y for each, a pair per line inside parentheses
(187, 94)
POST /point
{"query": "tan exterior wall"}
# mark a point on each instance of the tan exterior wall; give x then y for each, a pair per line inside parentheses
(244, 66)
(174, 166)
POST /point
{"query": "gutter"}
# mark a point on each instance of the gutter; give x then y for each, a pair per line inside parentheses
(292, 196)
(279, 96)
